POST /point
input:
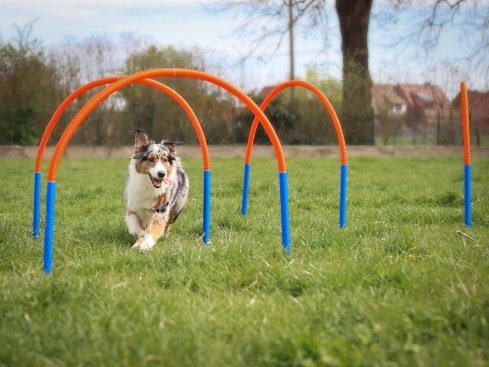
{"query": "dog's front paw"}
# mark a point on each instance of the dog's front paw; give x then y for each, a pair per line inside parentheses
(144, 243)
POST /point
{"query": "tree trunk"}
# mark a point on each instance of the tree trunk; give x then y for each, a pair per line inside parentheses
(354, 16)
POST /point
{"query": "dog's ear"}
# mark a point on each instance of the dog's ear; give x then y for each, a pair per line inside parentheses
(171, 158)
(172, 145)
(141, 142)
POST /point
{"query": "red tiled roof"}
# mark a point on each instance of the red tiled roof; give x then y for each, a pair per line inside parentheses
(416, 95)
(265, 91)
(385, 96)
(478, 103)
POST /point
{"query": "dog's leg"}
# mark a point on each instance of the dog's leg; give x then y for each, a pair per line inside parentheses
(155, 230)
(167, 229)
(171, 219)
(133, 224)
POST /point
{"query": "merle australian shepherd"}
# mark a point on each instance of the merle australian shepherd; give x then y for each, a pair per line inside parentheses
(156, 190)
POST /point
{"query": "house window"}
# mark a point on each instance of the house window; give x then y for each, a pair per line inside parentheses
(424, 97)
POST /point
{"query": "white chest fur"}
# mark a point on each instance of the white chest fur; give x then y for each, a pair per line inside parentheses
(141, 195)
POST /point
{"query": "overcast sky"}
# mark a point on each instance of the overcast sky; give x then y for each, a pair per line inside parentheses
(186, 23)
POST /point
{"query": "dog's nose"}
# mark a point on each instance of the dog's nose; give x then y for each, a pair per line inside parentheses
(161, 174)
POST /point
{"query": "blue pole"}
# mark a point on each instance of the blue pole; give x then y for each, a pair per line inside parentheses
(246, 185)
(343, 175)
(49, 227)
(467, 196)
(207, 206)
(36, 215)
(284, 211)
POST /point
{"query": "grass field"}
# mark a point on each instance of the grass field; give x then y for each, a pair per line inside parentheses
(398, 286)
(483, 141)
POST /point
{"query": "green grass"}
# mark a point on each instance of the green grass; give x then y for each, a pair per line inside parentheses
(398, 286)
(400, 140)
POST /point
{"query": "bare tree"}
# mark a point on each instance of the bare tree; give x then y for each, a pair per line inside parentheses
(424, 22)
(354, 17)
(268, 21)
(77, 63)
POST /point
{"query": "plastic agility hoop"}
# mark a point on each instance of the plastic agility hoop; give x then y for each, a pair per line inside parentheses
(54, 119)
(136, 77)
(464, 104)
(339, 133)
(44, 142)
(51, 191)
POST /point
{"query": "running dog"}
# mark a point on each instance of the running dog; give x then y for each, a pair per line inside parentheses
(156, 190)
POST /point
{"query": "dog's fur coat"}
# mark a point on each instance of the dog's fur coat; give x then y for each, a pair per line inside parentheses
(156, 190)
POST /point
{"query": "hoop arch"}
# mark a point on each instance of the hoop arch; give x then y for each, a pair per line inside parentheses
(339, 134)
(75, 94)
(136, 77)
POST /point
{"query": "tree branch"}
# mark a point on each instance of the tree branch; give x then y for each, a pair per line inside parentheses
(266, 22)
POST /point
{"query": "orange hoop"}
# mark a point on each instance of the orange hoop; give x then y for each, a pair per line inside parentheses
(59, 111)
(136, 77)
(339, 133)
(152, 73)
(108, 80)
(322, 97)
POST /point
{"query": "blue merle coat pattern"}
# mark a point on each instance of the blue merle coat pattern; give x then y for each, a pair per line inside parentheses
(156, 190)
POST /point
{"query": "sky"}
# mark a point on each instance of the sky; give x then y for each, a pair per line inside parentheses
(187, 23)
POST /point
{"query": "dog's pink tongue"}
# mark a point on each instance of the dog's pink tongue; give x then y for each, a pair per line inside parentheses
(167, 180)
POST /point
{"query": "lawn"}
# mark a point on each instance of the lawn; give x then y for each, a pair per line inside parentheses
(483, 140)
(398, 286)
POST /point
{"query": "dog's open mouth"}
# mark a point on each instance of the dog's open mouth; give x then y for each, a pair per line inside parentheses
(157, 182)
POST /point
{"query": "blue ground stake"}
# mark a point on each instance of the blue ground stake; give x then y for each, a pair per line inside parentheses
(49, 227)
(467, 194)
(343, 175)
(36, 215)
(284, 211)
(207, 206)
(246, 185)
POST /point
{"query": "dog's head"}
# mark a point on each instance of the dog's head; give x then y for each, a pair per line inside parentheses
(155, 159)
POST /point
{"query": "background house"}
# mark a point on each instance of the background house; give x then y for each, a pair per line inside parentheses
(478, 112)
(265, 91)
(419, 112)
(389, 111)
(386, 99)
(427, 104)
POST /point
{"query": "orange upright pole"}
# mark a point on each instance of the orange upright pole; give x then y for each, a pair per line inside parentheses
(464, 104)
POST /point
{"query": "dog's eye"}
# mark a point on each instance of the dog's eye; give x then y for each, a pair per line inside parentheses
(151, 160)
(165, 160)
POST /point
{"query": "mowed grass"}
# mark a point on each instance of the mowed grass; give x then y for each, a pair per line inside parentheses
(398, 286)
